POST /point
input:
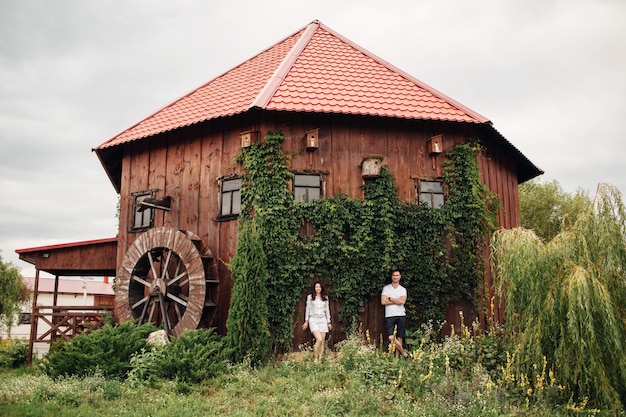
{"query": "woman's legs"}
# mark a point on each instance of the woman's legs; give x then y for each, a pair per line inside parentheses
(322, 343)
(318, 349)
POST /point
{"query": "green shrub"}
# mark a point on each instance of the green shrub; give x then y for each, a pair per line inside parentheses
(426, 333)
(352, 352)
(489, 349)
(111, 390)
(13, 354)
(143, 369)
(194, 356)
(373, 368)
(106, 351)
(247, 323)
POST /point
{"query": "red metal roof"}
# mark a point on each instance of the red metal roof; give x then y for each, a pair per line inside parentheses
(66, 245)
(313, 70)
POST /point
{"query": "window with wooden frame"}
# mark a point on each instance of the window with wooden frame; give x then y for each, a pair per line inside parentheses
(230, 198)
(25, 318)
(143, 216)
(307, 187)
(431, 192)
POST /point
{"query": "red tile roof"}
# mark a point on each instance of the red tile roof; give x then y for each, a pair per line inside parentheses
(313, 70)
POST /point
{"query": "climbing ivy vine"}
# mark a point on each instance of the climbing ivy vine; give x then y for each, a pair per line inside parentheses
(264, 195)
(356, 243)
(471, 210)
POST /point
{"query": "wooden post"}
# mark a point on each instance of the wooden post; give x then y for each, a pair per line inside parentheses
(55, 299)
(34, 319)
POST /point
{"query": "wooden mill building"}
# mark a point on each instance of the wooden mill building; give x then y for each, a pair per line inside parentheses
(337, 104)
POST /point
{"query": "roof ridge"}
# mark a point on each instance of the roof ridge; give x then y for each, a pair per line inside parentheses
(480, 118)
(192, 91)
(267, 89)
(267, 92)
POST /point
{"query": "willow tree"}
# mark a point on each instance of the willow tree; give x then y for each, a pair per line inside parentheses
(566, 301)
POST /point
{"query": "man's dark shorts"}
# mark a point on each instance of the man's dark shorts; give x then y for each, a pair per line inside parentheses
(392, 322)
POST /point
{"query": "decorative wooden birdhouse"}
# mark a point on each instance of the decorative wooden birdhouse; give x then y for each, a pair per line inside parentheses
(248, 138)
(371, 166)
(312, 139)
(435, 145)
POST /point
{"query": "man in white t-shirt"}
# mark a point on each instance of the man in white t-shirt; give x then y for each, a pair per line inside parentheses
(393, 298)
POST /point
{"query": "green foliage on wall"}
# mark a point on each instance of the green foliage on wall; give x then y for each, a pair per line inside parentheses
(356, 243)
(265, 196)
(471, 210)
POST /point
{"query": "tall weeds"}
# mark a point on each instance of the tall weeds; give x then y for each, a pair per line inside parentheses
(565, 300)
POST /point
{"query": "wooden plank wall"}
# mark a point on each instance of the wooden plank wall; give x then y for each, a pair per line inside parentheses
(186, 165)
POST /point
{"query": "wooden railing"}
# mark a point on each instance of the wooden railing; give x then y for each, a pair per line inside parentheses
(65, 322)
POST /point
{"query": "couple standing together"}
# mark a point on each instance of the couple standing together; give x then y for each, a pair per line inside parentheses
(317, 315)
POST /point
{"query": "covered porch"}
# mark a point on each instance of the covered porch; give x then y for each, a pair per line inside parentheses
(93, 258)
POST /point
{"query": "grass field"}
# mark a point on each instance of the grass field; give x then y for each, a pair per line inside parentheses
(357, 380)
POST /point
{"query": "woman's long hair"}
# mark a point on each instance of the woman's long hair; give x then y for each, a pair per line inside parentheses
(322, 293)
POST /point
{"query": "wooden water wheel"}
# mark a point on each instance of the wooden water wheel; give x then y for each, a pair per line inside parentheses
(168, 277)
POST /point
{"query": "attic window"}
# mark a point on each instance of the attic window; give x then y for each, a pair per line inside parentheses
(431, 192)
(143, 216)
(230, 198)
(307, 187)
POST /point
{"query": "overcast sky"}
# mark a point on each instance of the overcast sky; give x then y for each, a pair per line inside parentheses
(550, 75)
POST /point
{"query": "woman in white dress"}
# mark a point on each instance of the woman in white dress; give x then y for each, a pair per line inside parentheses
(317, 318)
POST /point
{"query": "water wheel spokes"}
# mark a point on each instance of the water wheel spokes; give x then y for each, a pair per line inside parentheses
(162, 280)
(164, 314)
